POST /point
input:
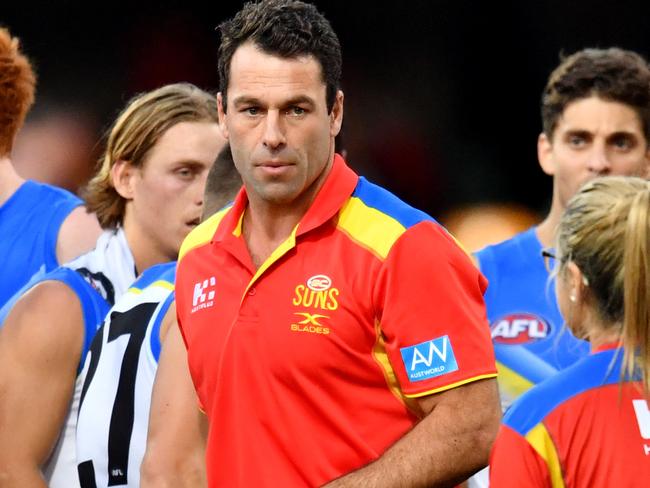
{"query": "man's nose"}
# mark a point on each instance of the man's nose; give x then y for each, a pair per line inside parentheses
(274, 136)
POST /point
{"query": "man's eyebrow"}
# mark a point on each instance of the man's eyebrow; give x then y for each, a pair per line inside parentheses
(245, 100)
(300, 99)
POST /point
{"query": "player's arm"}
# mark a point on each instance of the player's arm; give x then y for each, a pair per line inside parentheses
(449, 444)
(429, 298)
(40, 347)
(77, 235)
(175, 455)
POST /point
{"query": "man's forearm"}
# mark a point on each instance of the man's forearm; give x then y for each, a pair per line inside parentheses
(20, 474)
(447, 446)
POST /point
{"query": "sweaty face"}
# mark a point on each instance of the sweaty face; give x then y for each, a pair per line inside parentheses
(593, 137)
(168, 188)
(280, 133)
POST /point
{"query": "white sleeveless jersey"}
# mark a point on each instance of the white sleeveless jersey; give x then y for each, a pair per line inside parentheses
(119, 373)
(96, 278)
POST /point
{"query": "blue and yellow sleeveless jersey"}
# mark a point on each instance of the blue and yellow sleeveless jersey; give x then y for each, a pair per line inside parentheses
(531, 342)
(29, 227)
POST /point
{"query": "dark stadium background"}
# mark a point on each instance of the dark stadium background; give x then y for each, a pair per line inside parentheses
(441, 96)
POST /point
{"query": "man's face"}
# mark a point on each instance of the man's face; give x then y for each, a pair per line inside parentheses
(168, 188)
(280, 134)
(593, 137)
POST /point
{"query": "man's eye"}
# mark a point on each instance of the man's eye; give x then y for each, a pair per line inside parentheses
(297, 111)
(576, 141)
(251, 110)
(622, 143)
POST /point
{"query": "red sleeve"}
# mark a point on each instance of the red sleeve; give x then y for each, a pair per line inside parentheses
(514, 462)
(429, 300)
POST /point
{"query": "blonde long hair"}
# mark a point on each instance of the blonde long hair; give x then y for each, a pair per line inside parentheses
(605, 231)
(135, 132)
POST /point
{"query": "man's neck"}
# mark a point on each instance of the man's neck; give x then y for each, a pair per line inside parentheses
(547, 229)
(266, 224)
(264, 228)
(10, 181)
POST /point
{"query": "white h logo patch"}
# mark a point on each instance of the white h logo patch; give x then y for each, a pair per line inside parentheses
(202, 291)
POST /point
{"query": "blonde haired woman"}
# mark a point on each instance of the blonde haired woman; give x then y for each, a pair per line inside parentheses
(147, 195)
(589, 426)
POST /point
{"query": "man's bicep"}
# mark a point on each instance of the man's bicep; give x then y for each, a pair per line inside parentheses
(432, 313)
(40, 347)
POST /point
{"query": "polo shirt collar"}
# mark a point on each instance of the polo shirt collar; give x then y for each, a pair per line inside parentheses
(337, 188)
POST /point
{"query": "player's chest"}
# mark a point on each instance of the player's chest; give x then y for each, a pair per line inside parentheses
(309, 300)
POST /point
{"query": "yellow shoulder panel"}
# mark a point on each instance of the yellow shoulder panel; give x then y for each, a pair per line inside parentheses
(372, 229)
(203, 233)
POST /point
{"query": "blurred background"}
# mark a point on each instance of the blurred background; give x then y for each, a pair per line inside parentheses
(442, 96)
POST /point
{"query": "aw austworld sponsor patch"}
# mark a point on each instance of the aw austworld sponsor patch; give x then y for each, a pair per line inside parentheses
(429, 359)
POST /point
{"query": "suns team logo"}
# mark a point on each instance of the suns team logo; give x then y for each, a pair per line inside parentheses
(520, 328)
(317, 298)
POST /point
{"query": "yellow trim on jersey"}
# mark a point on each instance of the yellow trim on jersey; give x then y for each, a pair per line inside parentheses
(541, 441)
(288, 244)
(449, 387)
(237, 231)
(160, 283)
(369, 227)
(203, 233)
(511, 383)
(380, 356)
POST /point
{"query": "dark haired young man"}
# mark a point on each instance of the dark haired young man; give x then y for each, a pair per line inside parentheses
(334, 334)
(596, 121)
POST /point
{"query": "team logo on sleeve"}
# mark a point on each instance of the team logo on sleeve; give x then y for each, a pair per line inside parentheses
(520, 328)
(429, 359)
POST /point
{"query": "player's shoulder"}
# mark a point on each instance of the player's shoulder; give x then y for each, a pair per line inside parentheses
(376, 199)
(511, 253)
(203, 233)
(49, 193)
(376, 219)
(536, 404)
(159, 274)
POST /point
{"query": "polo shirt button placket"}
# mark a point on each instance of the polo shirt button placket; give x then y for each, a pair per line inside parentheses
(252, 292)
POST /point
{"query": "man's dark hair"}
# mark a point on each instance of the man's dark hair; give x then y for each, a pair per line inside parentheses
(285, 28)
(222, 183)
(612, 74)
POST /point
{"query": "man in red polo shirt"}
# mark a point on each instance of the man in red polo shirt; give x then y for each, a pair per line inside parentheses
(334, 334)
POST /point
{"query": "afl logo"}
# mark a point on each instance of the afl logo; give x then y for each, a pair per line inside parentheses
(319, 283)
(520, 328)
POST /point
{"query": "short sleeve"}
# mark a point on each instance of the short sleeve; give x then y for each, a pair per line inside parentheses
(429, 303)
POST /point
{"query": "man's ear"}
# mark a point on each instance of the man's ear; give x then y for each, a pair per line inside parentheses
(123, 177)
(545, 154)
(336, 115)
(222, 115)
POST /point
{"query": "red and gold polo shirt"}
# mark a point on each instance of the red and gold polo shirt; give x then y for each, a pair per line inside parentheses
(307, 367)
(584, 427)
